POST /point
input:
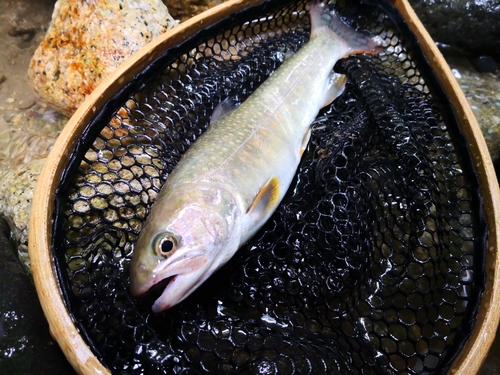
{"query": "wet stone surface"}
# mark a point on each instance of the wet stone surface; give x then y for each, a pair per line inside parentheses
(482, 90)
(470, 27)
(26, 346)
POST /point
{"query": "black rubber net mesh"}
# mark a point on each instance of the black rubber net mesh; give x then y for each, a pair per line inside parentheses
(372, 264)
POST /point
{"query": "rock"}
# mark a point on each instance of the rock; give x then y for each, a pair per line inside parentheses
(183, 10)
(8, 116)
(25, 34)
(23, 149)
(25, 104)
(26, 346)
(471, 26)
(484, 64)
(86, 41)
(482, 91)
(16, 193)
(467, 33)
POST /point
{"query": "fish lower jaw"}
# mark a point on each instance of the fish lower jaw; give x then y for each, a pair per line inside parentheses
(178, 287)
(160, 303)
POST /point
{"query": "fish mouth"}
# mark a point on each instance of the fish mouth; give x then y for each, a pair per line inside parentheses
(178, 277)
(170, 295)
(162, 284)
(177, 288)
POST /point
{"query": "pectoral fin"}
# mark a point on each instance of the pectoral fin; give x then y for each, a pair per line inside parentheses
(335, 88)
(266, 200)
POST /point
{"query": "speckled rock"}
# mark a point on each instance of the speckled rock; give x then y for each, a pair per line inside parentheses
(86, 41)
(28, 136)
(482, 91)
(16, 193)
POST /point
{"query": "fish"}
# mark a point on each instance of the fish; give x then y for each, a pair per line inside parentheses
(232, 178)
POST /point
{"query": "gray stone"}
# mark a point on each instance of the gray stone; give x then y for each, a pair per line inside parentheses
(482, 91)
(484, 64)
(471, 26)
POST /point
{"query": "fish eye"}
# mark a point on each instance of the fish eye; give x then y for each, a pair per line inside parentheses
(166, 245)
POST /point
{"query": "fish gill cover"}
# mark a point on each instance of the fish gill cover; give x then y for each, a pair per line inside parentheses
(372, 264)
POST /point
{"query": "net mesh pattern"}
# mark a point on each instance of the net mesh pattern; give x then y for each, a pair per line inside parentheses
(373, 262)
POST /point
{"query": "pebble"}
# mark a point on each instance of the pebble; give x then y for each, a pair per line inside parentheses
(25, 34)
(11, 100)
(8, 116)
(484, 64)
(25, 104)
(456, 73)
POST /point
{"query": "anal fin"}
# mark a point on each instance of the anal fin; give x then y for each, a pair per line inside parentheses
(266, 200)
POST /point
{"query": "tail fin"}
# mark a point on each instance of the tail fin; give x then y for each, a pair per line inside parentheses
(355, 42)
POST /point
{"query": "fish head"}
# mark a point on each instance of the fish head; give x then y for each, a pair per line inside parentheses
(188, 235)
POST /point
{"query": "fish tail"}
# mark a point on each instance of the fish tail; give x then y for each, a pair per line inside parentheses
(354, 42)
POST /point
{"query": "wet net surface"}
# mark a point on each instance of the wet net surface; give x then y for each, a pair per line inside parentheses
(372, 264)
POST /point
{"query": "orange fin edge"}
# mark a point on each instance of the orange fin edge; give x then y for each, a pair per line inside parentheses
(267, 198)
